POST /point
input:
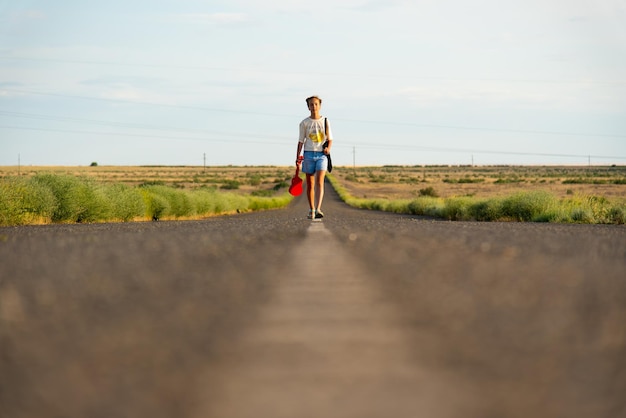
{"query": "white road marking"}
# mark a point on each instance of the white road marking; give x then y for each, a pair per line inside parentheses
(327, 345)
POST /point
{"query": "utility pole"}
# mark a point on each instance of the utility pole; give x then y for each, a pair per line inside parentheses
(19, 164)
(354, 158)
(204, 155)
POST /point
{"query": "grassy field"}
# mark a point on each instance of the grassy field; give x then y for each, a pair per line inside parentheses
(407, 182)
(516, 193)
(103, 194)
(495, 193)
(244, 180)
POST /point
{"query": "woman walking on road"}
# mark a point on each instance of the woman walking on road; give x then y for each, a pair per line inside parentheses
(314, 131)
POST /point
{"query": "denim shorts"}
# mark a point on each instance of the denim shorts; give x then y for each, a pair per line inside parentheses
(314, 161)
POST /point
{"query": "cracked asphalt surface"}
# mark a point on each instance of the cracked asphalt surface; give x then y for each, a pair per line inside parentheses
(267, 314)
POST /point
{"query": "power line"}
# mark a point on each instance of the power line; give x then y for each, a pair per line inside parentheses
(285, 143)
(240, 134)
(153, 136)
(487, 129)
(377, 122)
(102, 99)
(495, 152)
(309, 73)
(125, 124)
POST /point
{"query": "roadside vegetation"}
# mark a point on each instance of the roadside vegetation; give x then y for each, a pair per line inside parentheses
(96, 193)
(64, 198)
(535, 195)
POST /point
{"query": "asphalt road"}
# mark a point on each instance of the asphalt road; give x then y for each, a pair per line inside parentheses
(271, 315)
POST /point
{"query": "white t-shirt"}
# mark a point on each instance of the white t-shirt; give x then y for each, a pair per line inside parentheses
(312, 134)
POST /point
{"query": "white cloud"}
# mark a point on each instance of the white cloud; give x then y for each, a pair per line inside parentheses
(211, 18)
(122, 93)
(27, 15)
(499, 94)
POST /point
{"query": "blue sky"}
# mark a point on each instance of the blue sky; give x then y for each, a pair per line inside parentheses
(403, 82)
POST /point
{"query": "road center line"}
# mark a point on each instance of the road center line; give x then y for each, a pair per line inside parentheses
(327, 345)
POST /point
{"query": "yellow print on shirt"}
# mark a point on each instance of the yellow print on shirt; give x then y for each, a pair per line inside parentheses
(317, 136)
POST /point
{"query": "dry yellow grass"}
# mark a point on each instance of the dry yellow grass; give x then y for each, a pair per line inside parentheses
(389, 182)
(397, 182)
(248, 179)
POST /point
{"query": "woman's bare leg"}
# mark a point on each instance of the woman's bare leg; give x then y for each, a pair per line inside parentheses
(319, 182)
(310, 190)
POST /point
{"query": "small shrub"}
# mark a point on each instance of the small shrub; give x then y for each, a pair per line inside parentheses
(573, 181)
(264, 203)
(549, 216)
(378, 179)
(263, 193)
(24, 201)
(617, 215)
(464, 180)
(205, 201)
(508, 180)
(428, 191)
(157, 206)
(179, 201)
(486, 210)
(231, 185)
(78, 199)
(148, 183)
(582, 215)
(526, 206)
(467, 180)
(426, 206)
(255, 180)
(280, 185)
(92, 203)
(126, 202)
(457, 209)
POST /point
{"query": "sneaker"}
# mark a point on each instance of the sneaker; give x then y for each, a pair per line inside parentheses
(319, 214)
(311, 214)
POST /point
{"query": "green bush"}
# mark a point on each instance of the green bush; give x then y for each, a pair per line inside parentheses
(457, 208)
(426, 206)
(157, 206)
(167, 201)
(22, 202)
(62, 198)
(464, 180)
(205, 201)
(11, 211)
(428, 191)
(536, 206)
(230, 202)
(126, 203)
(264, 203)
(590, 209)
(486, 210)
(62, 188)
(78, 199)
(526, 206)
(617, 215)
(280, 185)
(255, 180)
(230, 185)
(582, 215)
